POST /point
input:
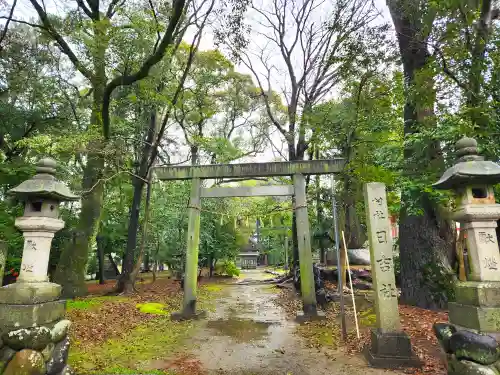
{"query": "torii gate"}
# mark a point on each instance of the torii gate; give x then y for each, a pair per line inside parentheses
(296, 169)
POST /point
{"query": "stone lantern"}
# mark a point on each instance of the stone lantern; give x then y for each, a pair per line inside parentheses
(470, 338)
(33, 331)
(472, 178)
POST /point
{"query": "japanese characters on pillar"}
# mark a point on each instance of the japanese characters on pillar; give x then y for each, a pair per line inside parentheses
(380, 238)
(484, 255)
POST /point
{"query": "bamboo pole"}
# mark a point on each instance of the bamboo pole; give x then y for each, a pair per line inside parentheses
(352, 289)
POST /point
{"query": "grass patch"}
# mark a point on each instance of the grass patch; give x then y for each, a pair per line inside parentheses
(92, 302)
(368, 318)
(206, 296)
(319, 335)
(211, 288)
(152, 308)
(140, 351)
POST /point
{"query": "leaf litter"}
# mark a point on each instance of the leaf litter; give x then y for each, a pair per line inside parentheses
(416, 322)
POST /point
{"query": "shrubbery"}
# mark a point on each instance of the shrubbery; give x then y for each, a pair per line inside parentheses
(229, 268)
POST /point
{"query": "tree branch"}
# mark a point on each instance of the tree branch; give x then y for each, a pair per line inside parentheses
(6, 26)
(63, 46)
(112, 7)
(85, 9)
(34, 25)
(125, 80)
(192, 51)
(158, 38)
(447, 70)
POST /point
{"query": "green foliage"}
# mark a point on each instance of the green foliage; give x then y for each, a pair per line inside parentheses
(221, 117)
(141, 345)
(92, 303)
(229, 268)
(12, 265)
(152, 308)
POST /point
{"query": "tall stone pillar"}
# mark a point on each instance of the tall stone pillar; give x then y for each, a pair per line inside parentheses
(390, 346)
(309, 309)
(193, 245)
(471, 337)
(32, 325)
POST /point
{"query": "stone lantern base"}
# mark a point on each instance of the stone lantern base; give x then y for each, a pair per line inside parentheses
(477, 307)
(33, 331)
(471, 339)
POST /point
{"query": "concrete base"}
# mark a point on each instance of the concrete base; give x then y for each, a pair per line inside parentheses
(478, 293)
(302, 317)
(483, 319)
(390, 350)
(391, 362)
(26, 315)
(29, 293)
(188, 315)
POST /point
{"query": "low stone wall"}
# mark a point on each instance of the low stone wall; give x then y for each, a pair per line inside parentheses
(36, 350)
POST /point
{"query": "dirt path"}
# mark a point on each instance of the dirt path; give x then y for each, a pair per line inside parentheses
(249, 334)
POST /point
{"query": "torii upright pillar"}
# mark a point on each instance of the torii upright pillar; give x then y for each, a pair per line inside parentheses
(309, 310)
(193, 246)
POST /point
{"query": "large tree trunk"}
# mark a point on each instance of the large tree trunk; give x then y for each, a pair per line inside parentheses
(126, 281)
(70, 271)
(426, 239)
(137, 266)
(355, 236)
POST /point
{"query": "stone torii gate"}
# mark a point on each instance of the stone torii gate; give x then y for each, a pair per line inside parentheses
(296, 169)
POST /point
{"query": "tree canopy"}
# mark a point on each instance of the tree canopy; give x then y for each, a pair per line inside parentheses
(111, 89)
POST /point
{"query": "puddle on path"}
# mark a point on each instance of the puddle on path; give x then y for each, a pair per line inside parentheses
(242, 330)
(248, 334)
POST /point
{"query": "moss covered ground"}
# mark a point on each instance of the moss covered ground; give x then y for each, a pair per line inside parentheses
(131, 335)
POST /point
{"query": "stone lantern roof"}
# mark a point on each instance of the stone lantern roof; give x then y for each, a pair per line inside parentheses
(44, 184)
(469, 169)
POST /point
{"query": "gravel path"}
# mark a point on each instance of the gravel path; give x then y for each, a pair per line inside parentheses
(249, 335)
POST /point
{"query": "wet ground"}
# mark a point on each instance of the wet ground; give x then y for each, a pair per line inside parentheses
(248, 334)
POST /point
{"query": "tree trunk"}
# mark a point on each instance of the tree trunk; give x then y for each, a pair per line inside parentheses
(155, 261)
(72, 265)
(146, 262)
(426, 240)
(126, 281)
(100, 258)
(137, 267)
(212, 266)
(356, 237)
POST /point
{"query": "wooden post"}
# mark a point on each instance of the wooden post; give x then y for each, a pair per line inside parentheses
(3, 259)
(193, 242)
(285, 267)
(305, 257)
